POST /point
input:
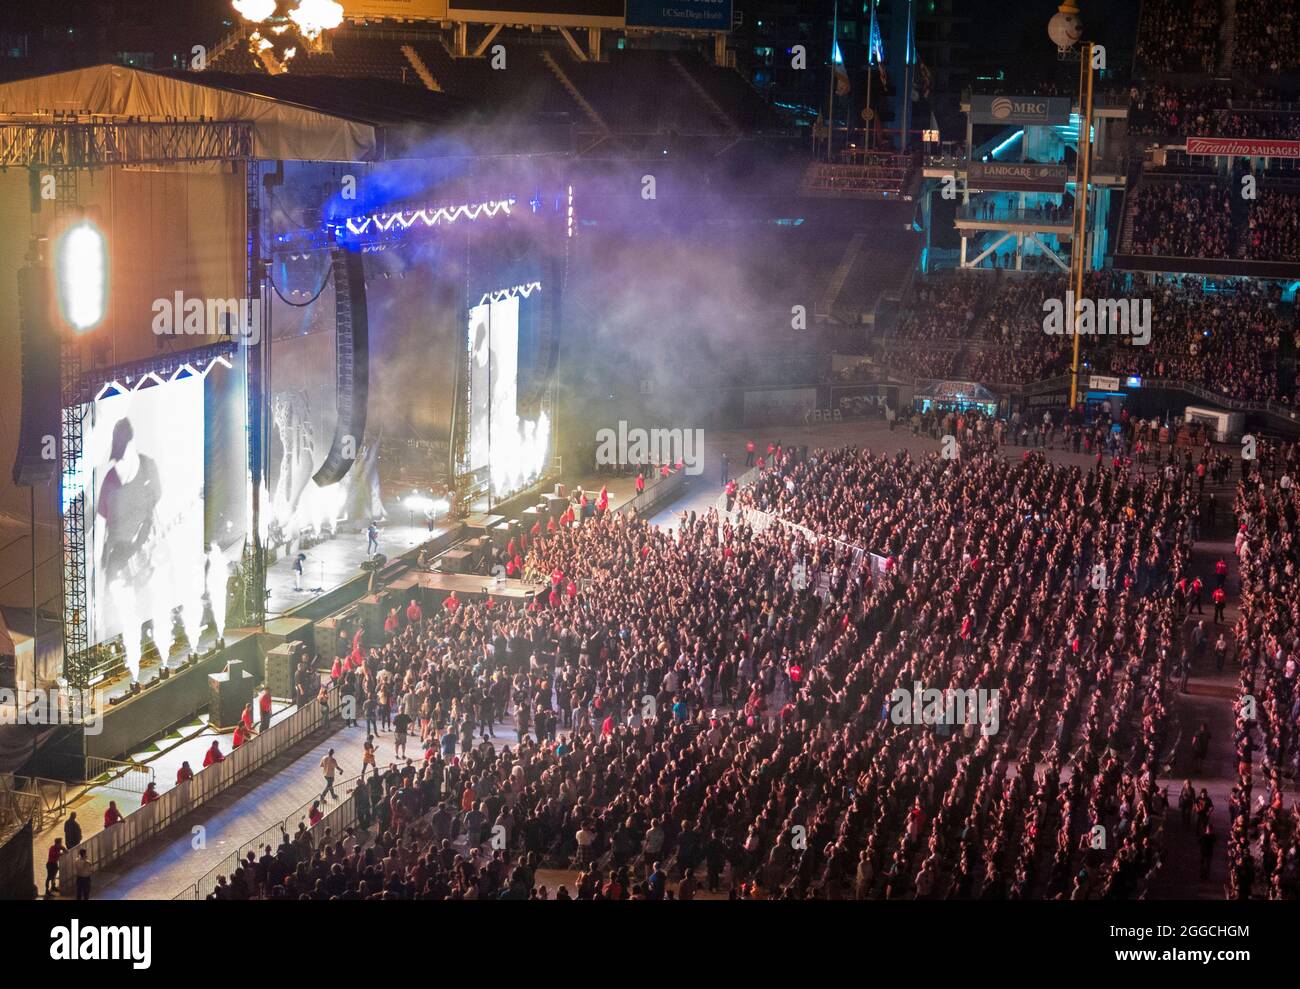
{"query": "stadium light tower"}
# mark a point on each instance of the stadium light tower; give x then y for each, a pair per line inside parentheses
(1066, 31)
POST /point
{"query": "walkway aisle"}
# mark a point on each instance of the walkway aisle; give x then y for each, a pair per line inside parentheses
(162, 868)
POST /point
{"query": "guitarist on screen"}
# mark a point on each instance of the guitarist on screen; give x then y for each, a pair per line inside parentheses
(128, 503)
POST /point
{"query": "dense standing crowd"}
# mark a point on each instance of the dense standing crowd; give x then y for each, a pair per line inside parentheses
(690, 715)
(1264, 838)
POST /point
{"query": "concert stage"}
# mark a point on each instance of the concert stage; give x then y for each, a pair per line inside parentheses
(337, 560)
(433, 588)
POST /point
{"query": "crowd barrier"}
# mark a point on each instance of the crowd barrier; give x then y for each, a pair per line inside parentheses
(147, 822)
(658, 491)
(341, 816)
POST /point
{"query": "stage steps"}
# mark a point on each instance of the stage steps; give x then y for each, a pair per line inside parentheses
(421, 70)
(826, 304)
(574, 92)
(703, 94)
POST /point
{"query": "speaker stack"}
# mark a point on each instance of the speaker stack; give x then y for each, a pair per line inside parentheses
(37, 458)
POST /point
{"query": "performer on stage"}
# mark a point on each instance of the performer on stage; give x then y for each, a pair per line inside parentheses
(372, 540)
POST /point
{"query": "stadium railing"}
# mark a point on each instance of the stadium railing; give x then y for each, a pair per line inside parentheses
(138, 827)
(343, 815)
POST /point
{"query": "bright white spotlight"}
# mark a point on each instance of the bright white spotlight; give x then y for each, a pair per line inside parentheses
(82, 264)
(254, 10)
(419, 504)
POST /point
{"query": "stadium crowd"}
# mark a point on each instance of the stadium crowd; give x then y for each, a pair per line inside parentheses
(1227, 340)
(1186, 219)
(1263, 845)
(691, 716)
(1178, 37)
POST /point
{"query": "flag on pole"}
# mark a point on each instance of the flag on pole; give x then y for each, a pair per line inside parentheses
(837, 66)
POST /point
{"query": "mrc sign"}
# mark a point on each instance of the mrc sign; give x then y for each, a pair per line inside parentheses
(1032, 111)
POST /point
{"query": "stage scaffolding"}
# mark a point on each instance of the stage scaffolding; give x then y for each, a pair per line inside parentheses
(67, 144)
(76, 142)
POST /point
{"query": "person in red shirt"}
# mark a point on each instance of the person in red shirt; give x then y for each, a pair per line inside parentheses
(640, 483)
(731, 494)
(1220, 597)
(336, 669)
(112, 815)
(52, 865)
(602, 502)
(213, 754)
(239, 737)
(414, 614)
(451, 603)
(264, 708)
(1221, 572)
(150, 794)
(554, 597)
(184, 774)
(663, 471)
(315, 815)
(392, 623)
(571, 590)
(749, 453)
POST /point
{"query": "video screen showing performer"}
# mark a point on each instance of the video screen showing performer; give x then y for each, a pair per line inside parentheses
(145, 500)
(513, 449)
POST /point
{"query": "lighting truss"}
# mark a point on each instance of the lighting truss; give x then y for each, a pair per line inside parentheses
(73, 142)
(501, 295)
(430, 216)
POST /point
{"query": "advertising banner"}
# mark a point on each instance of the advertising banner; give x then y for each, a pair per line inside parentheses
(779, 405)
(1244, 147)
(536, 11)
(700, 15)
(1016, 177)
(863, 401)
(403, 10)
(1034, 111)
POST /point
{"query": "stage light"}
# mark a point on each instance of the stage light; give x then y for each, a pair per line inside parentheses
(254, 10)
(82, 265)
(419, 503)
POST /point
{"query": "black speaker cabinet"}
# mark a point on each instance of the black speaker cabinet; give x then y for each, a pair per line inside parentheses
(501, 535)
(280, 664)
(555, 505)
(229, 692)
(457, 561)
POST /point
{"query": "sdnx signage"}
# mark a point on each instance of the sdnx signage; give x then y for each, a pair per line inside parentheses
(702, 15)
(1042, 111)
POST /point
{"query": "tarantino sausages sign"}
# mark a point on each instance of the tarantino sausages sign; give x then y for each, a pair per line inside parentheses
(1016, 177)
(1229, 147)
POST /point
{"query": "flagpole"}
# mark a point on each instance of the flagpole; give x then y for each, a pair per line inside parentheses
(830, 106)
(871, 54)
